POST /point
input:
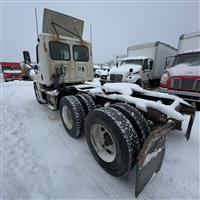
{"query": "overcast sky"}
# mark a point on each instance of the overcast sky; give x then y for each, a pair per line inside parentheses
(115, 25)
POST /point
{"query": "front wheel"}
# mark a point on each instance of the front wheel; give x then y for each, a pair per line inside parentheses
(72, 114)
(37, 94)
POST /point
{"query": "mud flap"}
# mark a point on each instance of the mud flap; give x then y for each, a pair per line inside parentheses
(188, 132)
(152, 163)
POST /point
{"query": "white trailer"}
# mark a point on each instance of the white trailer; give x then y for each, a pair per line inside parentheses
(157, 52)
(188, 42)
(124, 124)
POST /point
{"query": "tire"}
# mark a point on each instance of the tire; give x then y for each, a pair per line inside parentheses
(139, 82)
(72, 115)
(137, 120)
(197, 106)
(37, 94)
(112, 140)
(87, 102)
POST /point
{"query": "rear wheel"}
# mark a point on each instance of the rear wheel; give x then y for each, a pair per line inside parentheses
(72, 115)
(112, 140)
(137, 120)
(86, 101)
(197, 106)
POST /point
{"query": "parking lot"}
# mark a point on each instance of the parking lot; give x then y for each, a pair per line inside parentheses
(40, 160)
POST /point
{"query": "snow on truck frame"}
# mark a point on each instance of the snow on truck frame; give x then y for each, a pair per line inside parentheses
(125, 125)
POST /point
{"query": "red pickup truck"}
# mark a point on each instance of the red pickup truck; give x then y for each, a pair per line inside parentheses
(11, 71)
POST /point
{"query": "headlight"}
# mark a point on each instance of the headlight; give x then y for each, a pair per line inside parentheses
(164, 81)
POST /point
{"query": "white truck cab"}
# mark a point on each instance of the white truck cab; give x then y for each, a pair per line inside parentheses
(62, 56)
(132, 70)
(63, 60)
(144, 65)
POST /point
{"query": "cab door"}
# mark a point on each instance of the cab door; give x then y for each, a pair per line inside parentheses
(82, 62)
(145, 73)
(60, 62)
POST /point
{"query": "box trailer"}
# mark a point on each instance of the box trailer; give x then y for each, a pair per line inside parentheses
(144, 64)
(157, 52)
(188, 42)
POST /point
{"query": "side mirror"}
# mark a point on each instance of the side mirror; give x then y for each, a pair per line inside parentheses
(150, 63)
(35, 67)
(131, 70)
(27, 58)
(169, 61)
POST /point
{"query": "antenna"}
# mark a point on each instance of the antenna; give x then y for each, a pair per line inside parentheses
(36, 21)
(91, 34)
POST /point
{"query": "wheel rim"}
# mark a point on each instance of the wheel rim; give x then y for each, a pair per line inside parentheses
(103, 142)
(36, 92)
(67, 117)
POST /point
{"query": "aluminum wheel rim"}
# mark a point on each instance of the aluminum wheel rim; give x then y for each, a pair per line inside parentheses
(67, 117)
(103, 142)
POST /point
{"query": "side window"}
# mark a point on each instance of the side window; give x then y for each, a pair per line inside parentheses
(80, 53)
(145, 65)
(59, 51)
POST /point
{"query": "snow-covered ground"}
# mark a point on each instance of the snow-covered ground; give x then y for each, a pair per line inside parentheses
(40, 160)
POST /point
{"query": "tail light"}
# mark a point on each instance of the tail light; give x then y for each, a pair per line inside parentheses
(165, 80)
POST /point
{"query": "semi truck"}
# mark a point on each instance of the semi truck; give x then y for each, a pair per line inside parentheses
(125, 126)
(144, 65)
(183, 77)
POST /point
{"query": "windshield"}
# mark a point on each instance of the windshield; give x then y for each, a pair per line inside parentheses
(59, 51)
(191, 58)
(81, 53)
(135, 62)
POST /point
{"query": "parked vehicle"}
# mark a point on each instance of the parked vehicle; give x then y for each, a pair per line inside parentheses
(119, 58)
(124, 124)
(183, 78)
(11, 71)
(144, 65)
(27, 70)
(101, 70)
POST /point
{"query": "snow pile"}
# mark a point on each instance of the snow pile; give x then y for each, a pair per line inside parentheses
(143, 104)
(125, 68)
(184, 70)
(123, 88)
(127, 89)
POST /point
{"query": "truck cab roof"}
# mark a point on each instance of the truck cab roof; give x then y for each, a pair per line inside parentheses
(135, 58)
